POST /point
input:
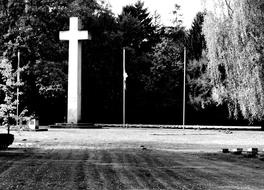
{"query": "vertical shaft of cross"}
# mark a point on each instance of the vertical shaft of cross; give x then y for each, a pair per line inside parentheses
(74, 74)
(74, 99)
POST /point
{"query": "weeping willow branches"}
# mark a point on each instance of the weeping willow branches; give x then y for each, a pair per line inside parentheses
(235, 41)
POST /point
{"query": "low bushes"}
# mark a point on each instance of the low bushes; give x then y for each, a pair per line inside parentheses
(6, 140)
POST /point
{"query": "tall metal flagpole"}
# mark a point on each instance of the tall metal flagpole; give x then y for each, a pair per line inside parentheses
(184, 89)
(18, 80)
(124, 87)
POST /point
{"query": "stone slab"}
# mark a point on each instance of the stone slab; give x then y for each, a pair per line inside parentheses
(253, 150)
(42, 128)
(225, 150)
(237, 151)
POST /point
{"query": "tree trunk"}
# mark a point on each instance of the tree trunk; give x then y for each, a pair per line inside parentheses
(8, 129)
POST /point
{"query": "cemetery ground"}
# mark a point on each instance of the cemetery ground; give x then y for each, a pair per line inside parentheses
(117, 158)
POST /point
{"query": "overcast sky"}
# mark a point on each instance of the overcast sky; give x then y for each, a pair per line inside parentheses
(164, 8)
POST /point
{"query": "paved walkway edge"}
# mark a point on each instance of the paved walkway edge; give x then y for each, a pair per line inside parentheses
(251, 128)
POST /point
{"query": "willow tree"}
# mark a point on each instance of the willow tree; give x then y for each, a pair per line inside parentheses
(234, 33)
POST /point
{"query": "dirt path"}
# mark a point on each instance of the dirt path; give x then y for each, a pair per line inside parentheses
(127, 169)
(115, 159)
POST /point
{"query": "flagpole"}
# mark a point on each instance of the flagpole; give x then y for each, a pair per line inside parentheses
(184, 89)
(124, 87)
(18, 80)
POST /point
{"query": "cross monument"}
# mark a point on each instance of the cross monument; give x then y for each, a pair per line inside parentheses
(75, 65)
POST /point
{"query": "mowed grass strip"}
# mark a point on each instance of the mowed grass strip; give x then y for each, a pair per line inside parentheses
(127, 169)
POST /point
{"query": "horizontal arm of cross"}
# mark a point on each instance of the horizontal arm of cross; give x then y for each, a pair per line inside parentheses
(76, 35)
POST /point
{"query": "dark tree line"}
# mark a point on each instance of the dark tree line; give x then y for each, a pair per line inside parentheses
(154, 62)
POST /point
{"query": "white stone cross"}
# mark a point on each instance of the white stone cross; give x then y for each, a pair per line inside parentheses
(75, 67)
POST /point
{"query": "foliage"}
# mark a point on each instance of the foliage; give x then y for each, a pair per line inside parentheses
(177, 20)
(167, 57)
(199, 83)
(137, 27)
(34, 31)
(167, 66)
(165, 79)
(139, 36)
(8, 92)
(154, 59)
(50, 78)
(235, 41)
(196, 40)
(199, 87)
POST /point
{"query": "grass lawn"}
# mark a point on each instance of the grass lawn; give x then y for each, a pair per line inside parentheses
(130, 159)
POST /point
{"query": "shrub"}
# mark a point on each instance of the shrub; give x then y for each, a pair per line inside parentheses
(6, 140)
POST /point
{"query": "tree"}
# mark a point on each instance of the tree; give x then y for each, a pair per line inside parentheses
(137, 27)
(199, 87)
(166, 67)
(102, 69)
(196, 38)
(139, 34)
(10, 13)
(34, 29)
(33, 34)
(164, 82)
(177, 20)
(8, 92)
(235, 41)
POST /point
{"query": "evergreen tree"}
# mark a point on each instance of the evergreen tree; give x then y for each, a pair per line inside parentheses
(199, 88)
(137, 27)
(196, 38)
(139, 35)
